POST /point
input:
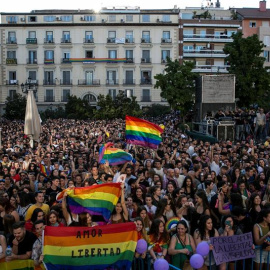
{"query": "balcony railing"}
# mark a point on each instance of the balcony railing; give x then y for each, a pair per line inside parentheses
(88, 40)
(12, 41)
(49, 99)
(31, 61)
(129, 40)
(66, 82)
(12, 82)
(207, 36)
(166, 40)
(204, 51)
(31, 41)
(129, 81)
(146, 40)
(145, 99)
(48, 40)
(48, 61)
(111, 40)
(65, 61)
(64, 98)
(129, 60)
(163, 61)
(48, 82)
(66, 40)
(211, 69)
(112, 82)
(146, 81)
(145, 60)
(89, 82)
(11, 61)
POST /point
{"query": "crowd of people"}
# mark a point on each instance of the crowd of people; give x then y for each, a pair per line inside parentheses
(214, 190)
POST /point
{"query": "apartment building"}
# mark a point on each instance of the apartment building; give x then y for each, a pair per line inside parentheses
(83, 53)
(203, 34)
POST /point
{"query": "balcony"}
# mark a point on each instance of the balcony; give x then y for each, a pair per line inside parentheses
(48, 40)
(129, 60)
(49, 82)
(211, 69)
(31, 61)
(146, 40)
(48, 61)
(129, 40)
(49, 99)
(66, 82)
(88, 40)
(11, 61)
(146, 81)
(12, 82)
(129, 82)
(166, 40)
(163, 61)
(66, 40)
(65, 61)
(145, 99)
(204, 53)
(145, 60)
(112, 82)
(89, 82)
(207, 37)
(31, 41)
(12, 41)
(110, 40)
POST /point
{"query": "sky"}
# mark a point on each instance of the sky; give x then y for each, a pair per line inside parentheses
(28, 5)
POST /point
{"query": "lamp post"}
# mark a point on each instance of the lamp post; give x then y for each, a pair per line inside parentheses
(29, 86)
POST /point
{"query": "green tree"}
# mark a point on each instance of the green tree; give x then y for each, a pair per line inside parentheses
(77, 108)
(246, 63)
(15, 107)
(177, 84)
(157, 110)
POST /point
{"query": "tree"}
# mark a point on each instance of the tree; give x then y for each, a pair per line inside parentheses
(15, 107)
(177, 84)
(77, 108)
(156, 110)
(246, 63)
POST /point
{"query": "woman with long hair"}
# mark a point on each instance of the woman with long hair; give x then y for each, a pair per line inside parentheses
(142, 213)
(182, 245)
(255, 206)
(202, 205)
(53, 219)
(141, 235)
(139, 195)
(266, 197)
(37, 214)
(188, 187)
(162, 210)
(7, 208)
(204, 232)
(85, 220)
(156, 194)
(158, 240)
(8, 221)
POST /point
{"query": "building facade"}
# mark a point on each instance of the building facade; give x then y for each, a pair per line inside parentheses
(83, 53)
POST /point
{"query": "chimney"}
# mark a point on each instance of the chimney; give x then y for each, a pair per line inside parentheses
(263, 5)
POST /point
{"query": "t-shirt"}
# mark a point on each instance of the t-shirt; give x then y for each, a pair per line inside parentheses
(45, 208)
(26, 244)
(50, 190)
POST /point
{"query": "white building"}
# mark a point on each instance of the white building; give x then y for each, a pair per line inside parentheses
(83, 53)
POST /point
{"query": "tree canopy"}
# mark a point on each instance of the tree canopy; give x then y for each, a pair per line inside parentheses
(15, 107)
(246, 63)
(177, 84)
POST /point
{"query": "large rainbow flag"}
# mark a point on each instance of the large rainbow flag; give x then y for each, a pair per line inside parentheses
(142, 132)
(114, 156)
(96, 248)
(96, 200)
(18, 265)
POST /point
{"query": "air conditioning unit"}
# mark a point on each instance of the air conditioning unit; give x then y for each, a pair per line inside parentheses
(111, 40)
(22, 19)
(122, 20)
(143, 40)
(58, 19)
(143, 60)
(127, 40)
(89, 40)
(163, 40)
(82, 19)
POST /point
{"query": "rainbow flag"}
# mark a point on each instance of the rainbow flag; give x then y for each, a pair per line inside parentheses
(96, 248)
(17, 264)
(142, 132)
(114, 156)
(96, 200)
(43, 170)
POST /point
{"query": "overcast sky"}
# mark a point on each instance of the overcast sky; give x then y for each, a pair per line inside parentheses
(28, 5)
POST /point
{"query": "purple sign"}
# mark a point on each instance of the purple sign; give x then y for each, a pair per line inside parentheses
(232, 248)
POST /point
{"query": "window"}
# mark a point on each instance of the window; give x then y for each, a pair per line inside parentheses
(230, 32)
(129, 56)
(188, 33)
(252, 24)
(166, 34)
(90, 18)
(166, 18)
(12, 77)
(202, 33)
(164, 55)
(112, 34)
(32, 57)
(146, 56)
(49, 18)
(146, 95)
(129, 18)
(48, 78)
(111, 77)
(129, 93)
(12, 19)
(146, 18)
(112, 18)
(186, 16)
(49, 36)
(89, 36)
(11, 94)
(146, 36)
(218, 34)
(12, 37)
(89, 77)
(66, 55)
(199, 48)
(112, 93)
(146, 77)
(129, 36)
(32, 19)
(49, 95)
(66, 94)
(188, 48)
(112, 54)
(266, 41)
(129, 77)
(32, 74)
(89, 54)
(49, 55)
(11, 54)
(266, 55)
(66, 78)
(66, 18)
(66, 36)
(32, 34)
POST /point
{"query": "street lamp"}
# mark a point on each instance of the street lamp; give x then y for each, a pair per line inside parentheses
(29, 85)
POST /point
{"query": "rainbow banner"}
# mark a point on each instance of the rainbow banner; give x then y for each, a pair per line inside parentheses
(96, 248)
(142, 132)
(17, 264)
(43, 170)
(114, 156)
(96, 200)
